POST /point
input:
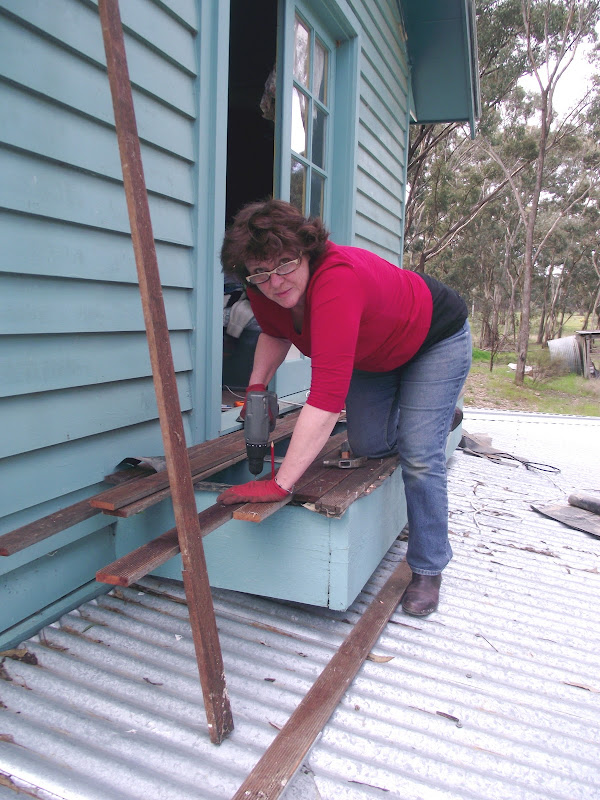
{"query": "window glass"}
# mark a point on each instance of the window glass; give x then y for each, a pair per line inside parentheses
(310, 119)
(320, 75)
(317, 192)
(299, 122)
(298, 185)
(301, 52)
(318, 143)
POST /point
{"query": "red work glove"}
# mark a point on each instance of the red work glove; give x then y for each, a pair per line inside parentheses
(255, 387)
(253, 492)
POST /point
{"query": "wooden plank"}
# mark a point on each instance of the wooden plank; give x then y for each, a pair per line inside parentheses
(203, 457)
(257, 512)
(47, 526)
(337, 500)
(195, 576)
(146, 558)
(284, 756)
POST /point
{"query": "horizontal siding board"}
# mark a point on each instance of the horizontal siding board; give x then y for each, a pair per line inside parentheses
(35, 246)
(377, 119)
(71, 139)
(386, 222)
(39, 476)
(76, 28)
(47, 418)
(392, 98)
(47, 70)
(389, 181)
(383, 118)
(33, 304)
(382, 29)
(31, 364)
(384, 207)
(34, 186)
(185, 11)
(381, 240)
(77, 25)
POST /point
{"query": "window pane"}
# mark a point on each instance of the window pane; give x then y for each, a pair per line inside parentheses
(301, 52)
(319, 132)
(320, 76)
(317, 195)
(298, 185)
(299, 121)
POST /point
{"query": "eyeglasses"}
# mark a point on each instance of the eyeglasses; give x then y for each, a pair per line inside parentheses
(283, 269)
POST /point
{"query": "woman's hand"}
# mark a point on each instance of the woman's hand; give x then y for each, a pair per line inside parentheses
(253, 492)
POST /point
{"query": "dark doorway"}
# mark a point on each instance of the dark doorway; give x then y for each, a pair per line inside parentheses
(250, 157)
(250, 137)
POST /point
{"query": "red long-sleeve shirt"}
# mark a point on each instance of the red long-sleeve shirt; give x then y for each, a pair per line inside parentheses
(361, 312)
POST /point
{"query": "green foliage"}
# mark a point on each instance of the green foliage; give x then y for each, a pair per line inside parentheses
(480, 355)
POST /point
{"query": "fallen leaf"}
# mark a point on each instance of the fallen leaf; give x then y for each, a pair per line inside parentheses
(379, 659)
(582, 686)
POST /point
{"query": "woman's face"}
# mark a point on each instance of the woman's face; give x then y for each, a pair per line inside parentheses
(289, 290)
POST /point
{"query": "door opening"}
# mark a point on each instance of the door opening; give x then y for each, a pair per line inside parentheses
(250, 160)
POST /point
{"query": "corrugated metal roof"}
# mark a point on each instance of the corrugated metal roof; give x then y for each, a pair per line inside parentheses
(495, 696)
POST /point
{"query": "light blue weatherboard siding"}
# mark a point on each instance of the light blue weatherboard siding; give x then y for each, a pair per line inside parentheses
(76, 387)
(383, 124)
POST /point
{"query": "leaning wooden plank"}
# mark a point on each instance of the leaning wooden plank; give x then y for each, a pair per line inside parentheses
(195, 575)
(218, 452)
(47, 526)
(130, 568)
(284, 756)
(337, 500)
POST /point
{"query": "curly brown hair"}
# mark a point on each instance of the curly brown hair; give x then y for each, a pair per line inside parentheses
(265, 230)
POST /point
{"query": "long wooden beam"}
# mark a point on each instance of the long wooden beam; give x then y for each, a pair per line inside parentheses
(195, 576)
(284, 756)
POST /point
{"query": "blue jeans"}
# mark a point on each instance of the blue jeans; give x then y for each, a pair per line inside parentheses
(409, 411)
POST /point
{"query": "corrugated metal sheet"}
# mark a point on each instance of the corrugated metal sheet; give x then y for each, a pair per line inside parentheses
(497, 696)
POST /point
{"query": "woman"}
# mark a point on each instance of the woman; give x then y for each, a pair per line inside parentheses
(392, 345)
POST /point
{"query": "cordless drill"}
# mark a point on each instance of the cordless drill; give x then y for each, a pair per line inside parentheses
(259, 423)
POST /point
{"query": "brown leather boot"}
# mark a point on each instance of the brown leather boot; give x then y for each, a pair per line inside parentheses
(422, 595)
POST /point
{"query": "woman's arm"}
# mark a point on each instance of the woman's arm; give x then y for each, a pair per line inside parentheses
(310, 434)
(269, 354)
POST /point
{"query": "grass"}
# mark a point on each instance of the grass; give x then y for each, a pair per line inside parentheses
(547, 390)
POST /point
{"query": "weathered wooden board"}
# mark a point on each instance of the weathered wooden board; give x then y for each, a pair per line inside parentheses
(130, 568)
(205, 459)
(282, 758)
(40, 529)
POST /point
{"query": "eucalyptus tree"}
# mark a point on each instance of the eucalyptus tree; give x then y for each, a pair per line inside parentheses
(552, 33)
